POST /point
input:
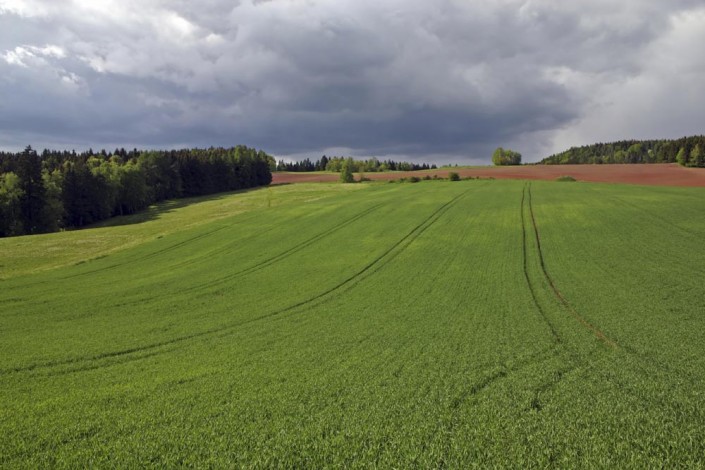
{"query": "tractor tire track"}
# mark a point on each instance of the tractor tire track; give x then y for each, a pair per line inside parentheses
(224, 248)
(542, 312)
(285, 254)
(504, 371)
(582, 320)
(150, 255)
(382, 260)
(265, 263)
(656, 248)
(131, 261)
(616, 200)
(412, 235)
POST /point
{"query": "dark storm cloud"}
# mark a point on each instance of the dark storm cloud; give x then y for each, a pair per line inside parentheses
(447, 79)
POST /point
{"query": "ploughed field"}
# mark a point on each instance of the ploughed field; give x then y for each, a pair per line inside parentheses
(658, 174)
(438, 324)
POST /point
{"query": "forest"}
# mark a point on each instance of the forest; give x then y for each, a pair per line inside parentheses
(687, 151)
(58, 190)
(370, 165)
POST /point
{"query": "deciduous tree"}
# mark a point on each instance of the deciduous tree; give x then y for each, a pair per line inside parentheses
(506, 157)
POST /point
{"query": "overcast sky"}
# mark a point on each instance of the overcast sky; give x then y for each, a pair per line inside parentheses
(426, 80)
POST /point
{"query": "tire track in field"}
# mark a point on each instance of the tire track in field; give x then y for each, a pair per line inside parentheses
(575, 361)
(384, 258)
(267, 262)
(253, 236)
(504, 370)
(647, 364)
(656, 248)
(150, 255)
(524, 249)
(223, 248)
(284, 254)
(617, 200)
(582, 320)
(130, 261)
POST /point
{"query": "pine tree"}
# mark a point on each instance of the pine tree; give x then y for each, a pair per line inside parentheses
(33, 199)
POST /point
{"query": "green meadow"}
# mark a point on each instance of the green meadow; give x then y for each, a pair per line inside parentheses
(437, 324)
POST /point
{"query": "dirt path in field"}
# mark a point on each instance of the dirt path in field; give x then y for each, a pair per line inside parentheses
(657, 174)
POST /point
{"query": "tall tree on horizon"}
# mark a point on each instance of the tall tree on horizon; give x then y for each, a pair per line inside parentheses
(33, 198)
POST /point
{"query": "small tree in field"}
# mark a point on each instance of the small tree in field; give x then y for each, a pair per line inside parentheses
(453, 176)
(346, 171)
(506, 157)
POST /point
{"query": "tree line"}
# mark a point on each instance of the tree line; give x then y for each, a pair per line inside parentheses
(54, 190)
(687, 151)
(370, 165)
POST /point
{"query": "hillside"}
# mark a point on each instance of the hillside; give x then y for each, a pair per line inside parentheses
(432, 324)
(687, 151)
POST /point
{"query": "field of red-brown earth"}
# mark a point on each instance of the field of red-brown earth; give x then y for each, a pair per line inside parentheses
(665, 174)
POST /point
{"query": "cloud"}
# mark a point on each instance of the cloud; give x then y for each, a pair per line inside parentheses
(448, 80)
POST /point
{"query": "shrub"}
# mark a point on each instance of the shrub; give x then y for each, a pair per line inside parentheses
(453, 176)
(346, 173)
(565, 178)
(414, 179)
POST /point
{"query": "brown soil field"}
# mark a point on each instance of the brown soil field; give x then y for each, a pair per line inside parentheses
(665, 174)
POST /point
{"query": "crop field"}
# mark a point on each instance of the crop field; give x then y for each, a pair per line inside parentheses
(437, 324)
(657, 174)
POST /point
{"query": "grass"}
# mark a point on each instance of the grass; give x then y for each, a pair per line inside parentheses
(476, 323)
(31, 254)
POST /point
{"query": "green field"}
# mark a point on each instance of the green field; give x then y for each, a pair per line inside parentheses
(436, 324)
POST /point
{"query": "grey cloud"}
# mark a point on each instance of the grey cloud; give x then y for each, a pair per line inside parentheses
(447, 80)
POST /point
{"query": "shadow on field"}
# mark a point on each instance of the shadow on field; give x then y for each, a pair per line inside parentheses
(157, 210)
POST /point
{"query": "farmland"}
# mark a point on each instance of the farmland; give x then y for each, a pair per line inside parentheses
(438, 324)
(656, 174)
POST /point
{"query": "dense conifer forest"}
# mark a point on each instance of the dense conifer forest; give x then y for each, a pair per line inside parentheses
(687, 151)
(371, 165)
(53, 190)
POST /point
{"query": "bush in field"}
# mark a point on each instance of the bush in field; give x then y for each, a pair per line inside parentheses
(453, 176)
(414, 179)
(363, 178)
(346, 172)
(565, 178)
